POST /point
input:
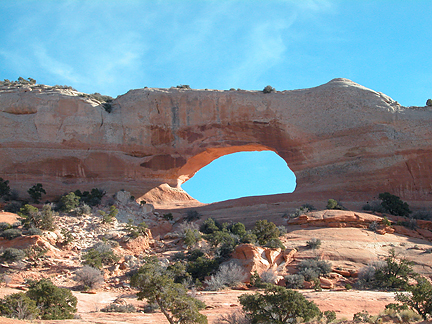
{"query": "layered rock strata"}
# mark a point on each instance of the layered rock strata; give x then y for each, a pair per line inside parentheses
(341, 139)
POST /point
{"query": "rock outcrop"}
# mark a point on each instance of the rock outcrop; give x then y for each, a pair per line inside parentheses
(341, 139)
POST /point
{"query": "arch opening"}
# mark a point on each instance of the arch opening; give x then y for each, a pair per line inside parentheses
(240, 174)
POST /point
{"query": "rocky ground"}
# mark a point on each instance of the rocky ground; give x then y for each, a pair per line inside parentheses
(346, 242)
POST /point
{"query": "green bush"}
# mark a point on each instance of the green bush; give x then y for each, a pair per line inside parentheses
(4, 226)
(20, 306)
(394, 205)
(202, 267)
(278, 305)
(69, 202)
(192, 215)
(116, 308)
(111, 216)
(11, 233)
(333, 204)
(32, 217)
(91, 198)
(419, 297)
(13, 207)
(102, 254)
(394, 274)
(294, 281)
(4, 188)
(191, 238)
(275, 243)
(33, 231)
(269, 89)
(311, 268)
(265, 231)
(54, 302)
(313, 243)
(330, 316)
(13, 254)
(210, 225)
(36, 192)
(156, 285)
(136, 230)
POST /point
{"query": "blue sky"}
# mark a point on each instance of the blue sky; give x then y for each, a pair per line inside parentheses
(113, 46)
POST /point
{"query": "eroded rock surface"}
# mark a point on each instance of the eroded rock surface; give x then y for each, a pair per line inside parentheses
(341, 139)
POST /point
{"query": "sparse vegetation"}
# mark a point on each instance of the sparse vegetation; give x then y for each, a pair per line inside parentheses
(269, 89)
(13, 254)
(108, 218)
(53, 302)
(156, 285)
(265, 231)
(136, 230)
(228, 275)
(19, 306)
(11, 233)
(313, 243)
(4, 188)
(116, 308)
(394, 205)
(90, 277)
(311, 268)
(69, 202)
(419, 297)
(294, 281)
(334, 204)
(278, 305)
(36, 192)
(102, 254)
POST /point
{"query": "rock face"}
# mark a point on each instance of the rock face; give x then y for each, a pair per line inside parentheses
(341, 139)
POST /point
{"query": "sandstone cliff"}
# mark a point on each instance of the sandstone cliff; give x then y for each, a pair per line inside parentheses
(341, 139)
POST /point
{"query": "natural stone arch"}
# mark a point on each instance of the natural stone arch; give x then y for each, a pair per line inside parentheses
(342, 140)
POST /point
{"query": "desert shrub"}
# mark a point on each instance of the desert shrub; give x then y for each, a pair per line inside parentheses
(220, 238)
(54, 302)
(394, 274)
(238, 229)
(255, 280)
(330, 316)
(13, 254)
(4, 226)
(265, 231)
(361, 317)
(192, 215)
(33, 231)
(422, 214)
(334, 204)
(4, 188)
(294, 281)
(394, 205)
(183, 86)
(313, 243)
(228, 275)
(100, 255)
(168, 216)
(83, 209)
(202, 267)
(35, 252)
(156, 285)
(13, 207)
(191, 237)
(136, 230)
(366, 275)
(373, 226)
(275, 243)
(210, 225)
(269, 276)
(36, 192)
(269, 89)
(278, 305)
(418, 298)
(32, 217)
(69, 202)
(429, 102)
(116, 308)
(91, 198)
(108, 218)
(374, 206)
(20, 306)
(90, 277)
(11, 233)
(236, 317)
(312, 268)
(249, 237)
